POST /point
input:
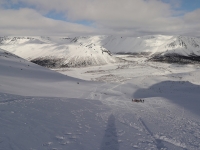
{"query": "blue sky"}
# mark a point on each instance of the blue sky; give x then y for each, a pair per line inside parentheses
(127, 17)
(190, 5)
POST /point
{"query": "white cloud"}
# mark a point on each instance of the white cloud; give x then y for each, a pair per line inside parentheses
(192, 23)
(29, 22)
(193, 17)
(129, 17)
(103, 9)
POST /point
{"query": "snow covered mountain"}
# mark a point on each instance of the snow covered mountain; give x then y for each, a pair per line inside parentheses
(179, 49)
(98, 50)
(152, 44)
(59, 52)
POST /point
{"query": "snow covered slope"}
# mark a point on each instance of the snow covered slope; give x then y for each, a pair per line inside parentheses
(43, 110)
(59, 52)
(19, 76)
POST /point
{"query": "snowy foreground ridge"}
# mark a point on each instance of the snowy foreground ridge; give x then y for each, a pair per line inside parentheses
(41, 109)
(55, 52)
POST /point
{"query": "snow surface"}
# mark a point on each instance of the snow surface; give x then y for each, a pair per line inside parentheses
(42, 109)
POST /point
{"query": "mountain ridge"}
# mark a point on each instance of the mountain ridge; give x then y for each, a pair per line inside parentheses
(84, 51)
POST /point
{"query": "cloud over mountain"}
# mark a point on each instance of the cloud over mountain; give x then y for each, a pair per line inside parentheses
(130, 17)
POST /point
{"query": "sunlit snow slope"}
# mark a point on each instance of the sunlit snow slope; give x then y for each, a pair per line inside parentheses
(38, 107)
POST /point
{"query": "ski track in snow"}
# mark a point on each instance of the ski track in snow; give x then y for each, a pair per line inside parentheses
(124, 104)
(119, 102)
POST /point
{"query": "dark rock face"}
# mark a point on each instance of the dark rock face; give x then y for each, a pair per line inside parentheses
(184, 42)
(176, 58)
(49, 62)
(134, 53)
(60, 62)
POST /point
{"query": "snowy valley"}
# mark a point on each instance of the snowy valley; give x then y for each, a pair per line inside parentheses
(84, 102)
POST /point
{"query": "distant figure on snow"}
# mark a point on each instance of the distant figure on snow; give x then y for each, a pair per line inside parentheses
(138, 100)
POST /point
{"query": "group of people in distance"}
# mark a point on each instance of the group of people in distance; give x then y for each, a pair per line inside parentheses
(138, 100)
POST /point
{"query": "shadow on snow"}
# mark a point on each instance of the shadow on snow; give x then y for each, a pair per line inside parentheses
(183, 93)
(110, 139)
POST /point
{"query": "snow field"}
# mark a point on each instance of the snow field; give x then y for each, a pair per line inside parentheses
(42, 109)
(168, 114)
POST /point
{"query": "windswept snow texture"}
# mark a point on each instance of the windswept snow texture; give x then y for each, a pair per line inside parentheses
(42, 109)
